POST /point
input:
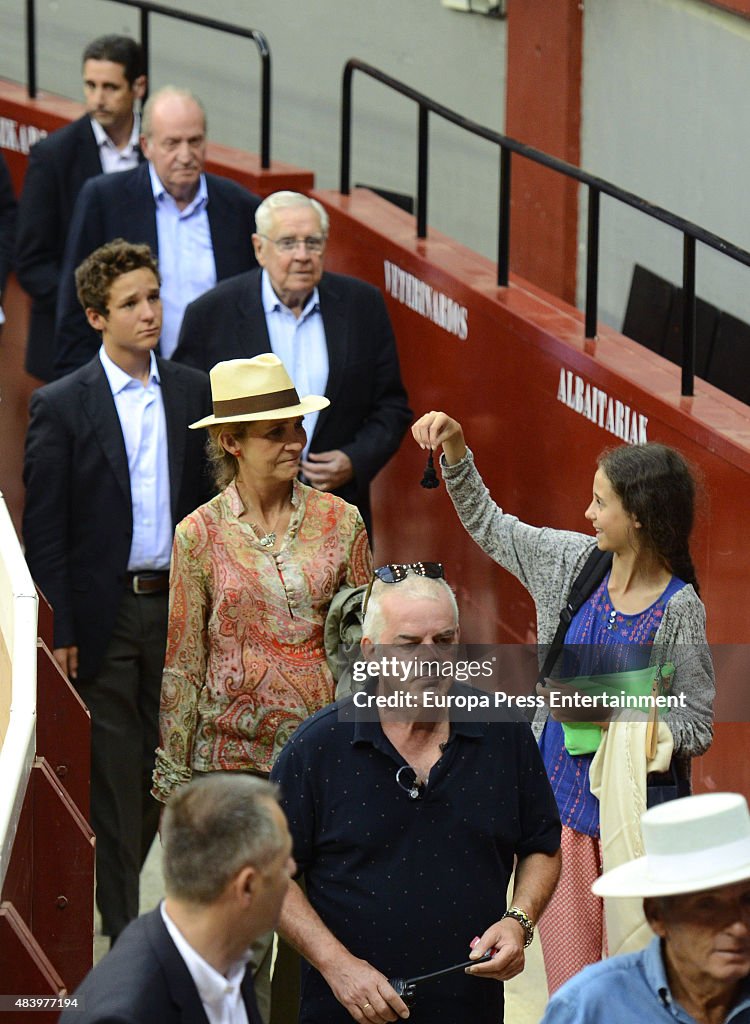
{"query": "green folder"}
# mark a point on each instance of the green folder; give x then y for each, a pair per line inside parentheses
(656, 680)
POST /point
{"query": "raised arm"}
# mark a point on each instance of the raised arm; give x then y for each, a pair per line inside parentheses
(436, 429)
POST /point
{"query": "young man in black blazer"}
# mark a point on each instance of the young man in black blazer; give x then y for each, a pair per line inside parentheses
(105, 139)
(110, 468)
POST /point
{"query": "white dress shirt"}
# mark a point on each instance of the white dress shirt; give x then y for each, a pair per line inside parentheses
(220, 994)
(186, 256)
(112, 158)
(144, 427)
(300, 343)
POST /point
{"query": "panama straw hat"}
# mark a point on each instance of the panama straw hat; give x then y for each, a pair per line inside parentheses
(698, 842)
(255, 389)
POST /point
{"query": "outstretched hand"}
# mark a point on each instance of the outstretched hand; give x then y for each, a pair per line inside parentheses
(437, 428)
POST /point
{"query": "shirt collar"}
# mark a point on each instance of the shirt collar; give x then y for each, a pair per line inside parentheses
(102, 139)
(212, 986)
(119, 379)
(199, 201)
(655, 971)
(271, 301)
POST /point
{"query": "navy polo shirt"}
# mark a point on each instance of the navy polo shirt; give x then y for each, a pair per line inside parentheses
(406, 884)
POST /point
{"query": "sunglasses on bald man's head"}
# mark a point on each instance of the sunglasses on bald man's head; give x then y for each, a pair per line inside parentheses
(395, 572)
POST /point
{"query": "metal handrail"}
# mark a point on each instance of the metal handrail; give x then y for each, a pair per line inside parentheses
(691, 232)
(147, 8)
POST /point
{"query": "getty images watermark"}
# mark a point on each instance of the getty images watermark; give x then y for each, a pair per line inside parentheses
(501, 681)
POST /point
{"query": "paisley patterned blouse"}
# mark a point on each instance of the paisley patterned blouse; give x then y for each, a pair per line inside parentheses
(245, 662)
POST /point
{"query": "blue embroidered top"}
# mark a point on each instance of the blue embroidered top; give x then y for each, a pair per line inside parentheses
(613, 642)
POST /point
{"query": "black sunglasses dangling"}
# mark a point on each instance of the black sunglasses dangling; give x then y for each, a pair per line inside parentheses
(429, 477)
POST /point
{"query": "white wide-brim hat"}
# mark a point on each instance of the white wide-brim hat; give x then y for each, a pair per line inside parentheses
(695, 843)
(256, 389)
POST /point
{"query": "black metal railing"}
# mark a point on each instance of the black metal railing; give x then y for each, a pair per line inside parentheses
(147, 8)
(597, 187)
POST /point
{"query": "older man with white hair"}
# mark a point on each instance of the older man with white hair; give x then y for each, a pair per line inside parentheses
(406, 828)
(695, 885)
(331, 331)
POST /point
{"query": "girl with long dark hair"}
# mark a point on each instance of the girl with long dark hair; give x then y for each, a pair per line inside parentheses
(646, 611)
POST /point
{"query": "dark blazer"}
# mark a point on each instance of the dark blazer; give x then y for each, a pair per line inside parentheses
(369, 410)
(122, 206)
(77, 522)
(58, 167)
(8, 208)
(144, 980)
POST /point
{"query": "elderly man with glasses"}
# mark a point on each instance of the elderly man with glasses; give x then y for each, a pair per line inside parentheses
(694, 882)
(331, 331)
(406, 828)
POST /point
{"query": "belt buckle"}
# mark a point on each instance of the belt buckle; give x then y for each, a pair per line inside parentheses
(137, 584)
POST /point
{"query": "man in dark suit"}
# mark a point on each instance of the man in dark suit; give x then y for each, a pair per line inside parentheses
(110, 468)
(333, 334)
(227, 864)
(200, 224)
(105, 139)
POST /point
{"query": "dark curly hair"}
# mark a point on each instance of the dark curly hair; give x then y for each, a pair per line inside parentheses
(656, 485)
(98, 272)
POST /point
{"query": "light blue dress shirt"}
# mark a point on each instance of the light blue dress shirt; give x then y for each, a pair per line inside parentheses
(144, 427)
(300, 343)
(186, 256)
(629, 989)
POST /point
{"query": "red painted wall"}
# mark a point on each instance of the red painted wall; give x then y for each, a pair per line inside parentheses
(543, 109)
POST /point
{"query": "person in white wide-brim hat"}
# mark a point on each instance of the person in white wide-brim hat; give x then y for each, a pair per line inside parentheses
(695, 884)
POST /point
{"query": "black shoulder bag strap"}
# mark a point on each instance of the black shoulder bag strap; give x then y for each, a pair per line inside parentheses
(595, 568)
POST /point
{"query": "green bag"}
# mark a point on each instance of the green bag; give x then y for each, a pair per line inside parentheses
(655, 680)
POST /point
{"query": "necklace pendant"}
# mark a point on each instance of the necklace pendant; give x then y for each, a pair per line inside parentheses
(268, 541)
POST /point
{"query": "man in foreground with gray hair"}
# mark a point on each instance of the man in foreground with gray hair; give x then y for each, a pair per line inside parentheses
(406, 827)
(331, 331)
(695, 884)
(198, 224)
(227, 864)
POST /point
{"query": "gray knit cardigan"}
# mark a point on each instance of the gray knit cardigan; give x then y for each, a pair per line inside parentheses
(547, 562)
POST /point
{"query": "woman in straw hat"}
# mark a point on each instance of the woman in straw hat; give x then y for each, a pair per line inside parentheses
(253, 573)
(645, 611)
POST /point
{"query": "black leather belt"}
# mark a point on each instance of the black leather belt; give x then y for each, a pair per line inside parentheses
(150, 581)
